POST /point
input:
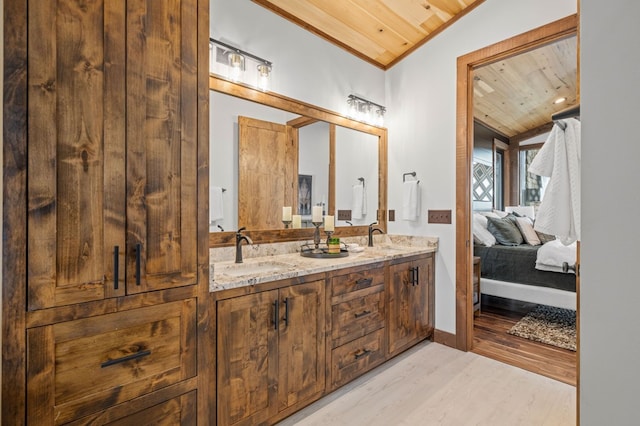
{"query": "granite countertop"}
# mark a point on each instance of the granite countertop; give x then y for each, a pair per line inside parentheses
(285, 261)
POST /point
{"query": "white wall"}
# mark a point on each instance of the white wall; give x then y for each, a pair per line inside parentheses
(305, 67)
(609, 287)
(421, 117)
(313, 159)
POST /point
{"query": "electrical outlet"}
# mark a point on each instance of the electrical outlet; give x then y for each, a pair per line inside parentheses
(439, 216)
(344, 214)
(392, 215)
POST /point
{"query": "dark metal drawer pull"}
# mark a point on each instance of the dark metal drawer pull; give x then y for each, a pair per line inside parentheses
(363, 353)
(364, 282)
(116, 266)
(275, 314)
(138, 255)
(125, 358)
(361, 314)
(417, 275)
(412, 276)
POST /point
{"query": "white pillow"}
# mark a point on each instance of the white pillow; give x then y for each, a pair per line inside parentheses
(490, 214)
(482, 235)
(480, 220)
(528, 233)
(500, 213)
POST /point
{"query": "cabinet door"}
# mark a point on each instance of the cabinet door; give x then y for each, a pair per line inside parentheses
(302, 343)
(410, 316)
(76, 188)
(247, 358)
(161, 136)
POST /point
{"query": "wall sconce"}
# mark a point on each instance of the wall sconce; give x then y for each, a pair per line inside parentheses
(231, 62)
(363, 110)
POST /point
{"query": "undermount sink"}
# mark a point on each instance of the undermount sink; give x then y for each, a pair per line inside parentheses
(244, 269)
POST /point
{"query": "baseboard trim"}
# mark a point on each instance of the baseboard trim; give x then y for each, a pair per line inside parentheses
(444, 338)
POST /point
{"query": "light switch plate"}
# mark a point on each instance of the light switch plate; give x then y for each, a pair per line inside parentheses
(439, 216)
(344, 214)
(392, 215)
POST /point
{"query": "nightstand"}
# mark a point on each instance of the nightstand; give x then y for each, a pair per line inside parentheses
(477, 295)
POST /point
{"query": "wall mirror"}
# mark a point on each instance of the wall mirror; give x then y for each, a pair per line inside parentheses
(332, 161)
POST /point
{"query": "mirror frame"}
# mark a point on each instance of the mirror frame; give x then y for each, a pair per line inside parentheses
(264, 236)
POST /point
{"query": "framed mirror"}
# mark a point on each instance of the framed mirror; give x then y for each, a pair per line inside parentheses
(329, 156)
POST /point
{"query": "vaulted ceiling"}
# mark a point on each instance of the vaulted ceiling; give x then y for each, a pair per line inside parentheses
(513, 96)
(381, 32)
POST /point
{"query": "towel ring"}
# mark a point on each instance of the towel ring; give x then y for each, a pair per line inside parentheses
(361, 179)
(404, 176)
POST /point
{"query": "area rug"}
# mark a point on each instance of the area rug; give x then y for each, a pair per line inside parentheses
(550, 325)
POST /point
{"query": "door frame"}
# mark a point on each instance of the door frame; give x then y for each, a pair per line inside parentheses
(545, 34)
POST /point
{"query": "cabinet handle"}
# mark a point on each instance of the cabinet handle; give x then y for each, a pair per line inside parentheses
(116, 267)
(275, 315)
(412, 276)
(363, 353)
(364, 282)
(286, 311)
(361, 314)
(417, 275)
(138, 254)
(125, 358)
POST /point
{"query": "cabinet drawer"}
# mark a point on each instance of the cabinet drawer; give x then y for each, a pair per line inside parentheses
(354, 358)
(358, 316)
(357, 281)
(76, 368)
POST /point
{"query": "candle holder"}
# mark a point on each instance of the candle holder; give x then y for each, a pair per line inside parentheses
(316, 237)
(286, 223)
(328, 235)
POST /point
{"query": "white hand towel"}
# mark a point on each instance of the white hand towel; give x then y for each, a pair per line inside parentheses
(410, 200)
(358, 202)
(215, 204)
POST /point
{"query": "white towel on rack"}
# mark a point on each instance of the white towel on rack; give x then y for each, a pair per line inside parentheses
(216, 211)
(410, 200)
(359, 202)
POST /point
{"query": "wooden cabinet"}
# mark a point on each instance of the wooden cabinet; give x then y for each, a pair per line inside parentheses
(109, 148)
(410, 307)
(270, 352)
(357, 323)
(112, 136)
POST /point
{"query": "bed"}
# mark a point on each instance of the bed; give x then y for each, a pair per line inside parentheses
(511, 272)
(527, 270)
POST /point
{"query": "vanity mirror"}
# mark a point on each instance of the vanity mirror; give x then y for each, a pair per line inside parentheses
(329, 154)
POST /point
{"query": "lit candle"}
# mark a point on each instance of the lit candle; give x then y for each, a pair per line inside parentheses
(316, 215)
(286, 214)
(297, 221)
(328, 224)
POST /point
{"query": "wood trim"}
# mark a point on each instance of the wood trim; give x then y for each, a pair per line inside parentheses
(206, 357)
(464, 144)
(444, 338)
(275, 100)
(531, 146)
(331, 208)
(14, 219)
(532, 133)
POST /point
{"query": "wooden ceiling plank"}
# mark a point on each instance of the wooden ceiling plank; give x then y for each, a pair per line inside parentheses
(318, 18)
(360, 21)
(410, 10)
(405, 29)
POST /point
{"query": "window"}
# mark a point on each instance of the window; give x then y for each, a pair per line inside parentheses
(531, 186)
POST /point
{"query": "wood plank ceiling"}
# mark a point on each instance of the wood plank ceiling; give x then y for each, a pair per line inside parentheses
(381, 32)
(516, 95)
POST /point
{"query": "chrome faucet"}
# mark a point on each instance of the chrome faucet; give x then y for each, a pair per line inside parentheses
(239, 238)
(371, 231)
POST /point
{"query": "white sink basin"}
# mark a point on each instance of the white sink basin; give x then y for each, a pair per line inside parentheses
(259, 268)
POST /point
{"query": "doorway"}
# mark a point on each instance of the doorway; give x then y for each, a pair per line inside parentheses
(464, 149)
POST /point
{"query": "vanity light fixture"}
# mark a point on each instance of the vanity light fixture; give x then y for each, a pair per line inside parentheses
(235, 61)
(364, 110)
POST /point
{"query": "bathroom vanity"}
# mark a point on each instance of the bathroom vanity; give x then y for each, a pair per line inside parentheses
(291, 329)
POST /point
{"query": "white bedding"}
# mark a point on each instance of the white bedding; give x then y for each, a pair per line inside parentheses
(552, 256)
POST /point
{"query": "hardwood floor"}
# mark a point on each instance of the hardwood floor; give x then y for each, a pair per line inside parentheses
(432, 384)
(491, 340)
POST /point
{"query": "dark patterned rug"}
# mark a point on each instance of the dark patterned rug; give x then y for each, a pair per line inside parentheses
(546, 324)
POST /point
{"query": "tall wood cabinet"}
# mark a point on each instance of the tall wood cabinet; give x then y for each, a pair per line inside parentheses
(109, 162)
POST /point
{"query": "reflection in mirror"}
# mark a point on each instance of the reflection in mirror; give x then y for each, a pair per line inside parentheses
(356, 157)
(312, 167)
